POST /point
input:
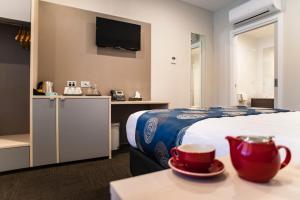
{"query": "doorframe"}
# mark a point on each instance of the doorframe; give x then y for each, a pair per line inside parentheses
(277, 20)
(203, 70)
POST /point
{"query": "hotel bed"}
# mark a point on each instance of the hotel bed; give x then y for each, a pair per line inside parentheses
(285, 126)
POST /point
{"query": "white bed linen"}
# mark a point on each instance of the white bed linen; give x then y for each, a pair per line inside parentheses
(284, 126)
(131, 126)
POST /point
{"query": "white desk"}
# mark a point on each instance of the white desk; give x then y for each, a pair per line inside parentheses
(121, 110)
(166, 185)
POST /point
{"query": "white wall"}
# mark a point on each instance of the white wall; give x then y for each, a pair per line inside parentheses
(291, 71)
(15, 9)
(172, 23)
(266, 67)
(291, 68)
(246, 66)
(268, 73)
(222, 30)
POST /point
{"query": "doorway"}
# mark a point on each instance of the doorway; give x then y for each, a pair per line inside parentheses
(197, 63)
(255, 69)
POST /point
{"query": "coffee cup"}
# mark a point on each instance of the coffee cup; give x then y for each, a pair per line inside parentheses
(195, 157)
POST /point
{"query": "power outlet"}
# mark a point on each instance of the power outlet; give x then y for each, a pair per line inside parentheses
(85, 84)
(71, 83)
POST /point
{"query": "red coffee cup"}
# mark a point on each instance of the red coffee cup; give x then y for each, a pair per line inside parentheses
(195, 157)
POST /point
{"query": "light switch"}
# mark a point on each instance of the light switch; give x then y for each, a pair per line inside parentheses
(173, 60)
(85, 84)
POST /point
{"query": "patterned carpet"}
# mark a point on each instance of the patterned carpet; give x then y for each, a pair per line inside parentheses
(85, 180)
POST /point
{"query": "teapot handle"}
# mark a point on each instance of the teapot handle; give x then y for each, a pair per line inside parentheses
(287, 157)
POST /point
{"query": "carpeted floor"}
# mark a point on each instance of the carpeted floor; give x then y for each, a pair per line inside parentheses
(85, 180)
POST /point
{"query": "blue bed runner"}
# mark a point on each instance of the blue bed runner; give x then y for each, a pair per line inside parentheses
(158, 131)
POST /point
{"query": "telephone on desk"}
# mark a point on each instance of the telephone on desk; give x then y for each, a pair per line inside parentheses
(117, 95)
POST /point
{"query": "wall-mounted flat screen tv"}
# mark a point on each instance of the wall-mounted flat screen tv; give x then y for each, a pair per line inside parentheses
(117, 34)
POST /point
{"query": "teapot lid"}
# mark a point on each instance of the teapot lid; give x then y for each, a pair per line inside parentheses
(257, 139)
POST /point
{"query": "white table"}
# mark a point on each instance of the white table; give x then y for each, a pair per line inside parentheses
(167, 185)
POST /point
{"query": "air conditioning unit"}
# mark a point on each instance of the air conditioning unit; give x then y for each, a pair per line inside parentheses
(253, 10)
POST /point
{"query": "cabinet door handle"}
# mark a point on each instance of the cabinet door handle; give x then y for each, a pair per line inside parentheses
(52, 99)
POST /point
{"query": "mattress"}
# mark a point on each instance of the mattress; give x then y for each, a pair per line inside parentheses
(284, 126)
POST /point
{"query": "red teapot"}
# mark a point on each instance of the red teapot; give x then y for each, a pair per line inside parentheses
(256, 158)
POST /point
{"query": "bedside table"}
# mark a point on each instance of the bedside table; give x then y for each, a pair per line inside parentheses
(166, 185)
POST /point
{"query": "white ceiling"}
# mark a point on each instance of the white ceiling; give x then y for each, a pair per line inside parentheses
(212, 5)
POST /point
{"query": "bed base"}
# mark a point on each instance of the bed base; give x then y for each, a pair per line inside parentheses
(141, 164)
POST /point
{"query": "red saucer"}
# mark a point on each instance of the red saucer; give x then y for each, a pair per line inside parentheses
(217, 168)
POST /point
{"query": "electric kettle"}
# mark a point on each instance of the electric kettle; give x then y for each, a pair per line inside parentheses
(47, 87)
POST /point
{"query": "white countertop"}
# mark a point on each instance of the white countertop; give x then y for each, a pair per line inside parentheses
(70, 97)
(103, 97)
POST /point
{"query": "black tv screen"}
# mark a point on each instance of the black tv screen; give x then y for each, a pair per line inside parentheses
(117, 34)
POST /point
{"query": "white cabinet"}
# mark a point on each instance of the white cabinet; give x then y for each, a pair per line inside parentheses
(44, 131)
(83, 128)
(15, 9)
(14, 152)
(14, 158)
(70, 129)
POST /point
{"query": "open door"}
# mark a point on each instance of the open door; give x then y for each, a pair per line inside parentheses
(255, 69)
(197, 62)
